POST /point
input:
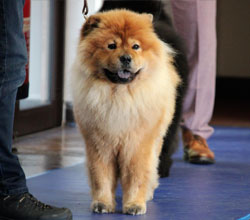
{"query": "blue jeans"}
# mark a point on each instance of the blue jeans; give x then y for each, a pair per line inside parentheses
(13, 58)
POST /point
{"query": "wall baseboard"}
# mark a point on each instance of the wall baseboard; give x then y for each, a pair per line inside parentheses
(232, 88)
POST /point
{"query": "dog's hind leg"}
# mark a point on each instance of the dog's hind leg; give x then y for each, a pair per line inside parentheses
(154, 174)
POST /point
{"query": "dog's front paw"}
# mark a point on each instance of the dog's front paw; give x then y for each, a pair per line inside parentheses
(100, 207)
(134, 209)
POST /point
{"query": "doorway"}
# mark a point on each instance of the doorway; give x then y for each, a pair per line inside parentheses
(43, 108)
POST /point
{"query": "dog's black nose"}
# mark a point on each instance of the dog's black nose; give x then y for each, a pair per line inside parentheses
(125, 59)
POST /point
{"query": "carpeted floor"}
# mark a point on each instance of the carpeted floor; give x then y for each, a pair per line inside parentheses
(192, 192)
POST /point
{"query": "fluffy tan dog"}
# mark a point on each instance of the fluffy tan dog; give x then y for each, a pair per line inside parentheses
(124, 91)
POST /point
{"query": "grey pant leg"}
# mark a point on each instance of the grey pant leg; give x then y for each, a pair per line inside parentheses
(195, 21)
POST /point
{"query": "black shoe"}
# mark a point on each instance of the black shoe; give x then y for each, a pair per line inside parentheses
(27, 207)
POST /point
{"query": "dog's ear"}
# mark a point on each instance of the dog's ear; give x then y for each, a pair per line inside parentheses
(90, 24)
(148, 16)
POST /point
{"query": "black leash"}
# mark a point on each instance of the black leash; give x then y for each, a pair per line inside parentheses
(85, 9)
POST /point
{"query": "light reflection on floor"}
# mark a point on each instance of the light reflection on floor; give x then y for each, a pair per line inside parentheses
(51, 149)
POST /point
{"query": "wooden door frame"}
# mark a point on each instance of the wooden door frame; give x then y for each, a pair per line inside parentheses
(48, 116)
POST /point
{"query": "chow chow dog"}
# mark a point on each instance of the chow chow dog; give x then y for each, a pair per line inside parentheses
(124, 94)
(164, 29)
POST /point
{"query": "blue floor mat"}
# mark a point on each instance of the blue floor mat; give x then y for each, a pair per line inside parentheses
(192, 192)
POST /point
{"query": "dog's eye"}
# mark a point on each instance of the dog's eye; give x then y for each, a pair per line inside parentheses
(135, 47)
(112, 46)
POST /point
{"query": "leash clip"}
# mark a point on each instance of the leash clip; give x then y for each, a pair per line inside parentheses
(85, 9)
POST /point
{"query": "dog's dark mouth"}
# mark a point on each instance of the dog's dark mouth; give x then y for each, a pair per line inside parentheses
(121, 76)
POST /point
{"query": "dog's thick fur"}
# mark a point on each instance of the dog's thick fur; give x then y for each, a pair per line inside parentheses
(123, 124)
(165, 30)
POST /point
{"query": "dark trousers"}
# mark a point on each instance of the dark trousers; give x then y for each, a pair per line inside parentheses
(13, 58)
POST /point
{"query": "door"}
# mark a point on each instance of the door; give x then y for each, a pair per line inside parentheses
(43, 108)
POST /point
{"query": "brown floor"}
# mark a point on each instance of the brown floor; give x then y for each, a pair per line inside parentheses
(231, 113)
(54, 148)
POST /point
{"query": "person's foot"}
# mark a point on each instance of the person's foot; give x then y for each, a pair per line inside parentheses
(196, 149)
(26, 207)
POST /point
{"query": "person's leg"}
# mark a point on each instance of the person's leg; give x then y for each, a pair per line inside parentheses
(12, 72)
(195, 21)
(12, 178)
(15, 201)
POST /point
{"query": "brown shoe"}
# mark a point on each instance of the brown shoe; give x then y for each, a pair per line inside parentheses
(196, 149)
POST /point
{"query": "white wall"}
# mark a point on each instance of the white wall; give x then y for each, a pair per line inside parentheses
(74, 21)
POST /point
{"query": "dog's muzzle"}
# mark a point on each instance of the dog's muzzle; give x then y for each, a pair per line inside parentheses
(122, 76)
